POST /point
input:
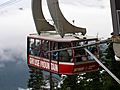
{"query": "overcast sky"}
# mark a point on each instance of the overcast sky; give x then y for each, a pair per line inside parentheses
(16, 24)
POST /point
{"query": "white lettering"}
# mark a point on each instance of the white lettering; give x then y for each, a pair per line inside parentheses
(44, 64)
(78, 69)
(34, 62)
(91, 66)
(54, 67)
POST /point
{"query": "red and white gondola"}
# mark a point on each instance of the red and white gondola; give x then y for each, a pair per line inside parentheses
(69, 61)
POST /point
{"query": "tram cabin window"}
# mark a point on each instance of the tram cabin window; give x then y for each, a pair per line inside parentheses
(39, 48)
(80, 55)
(34, 47)
(44, 48)
(65, 55)
(54, 46)
(94, 51)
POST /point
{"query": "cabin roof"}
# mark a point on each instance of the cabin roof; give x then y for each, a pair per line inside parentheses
(58, 38)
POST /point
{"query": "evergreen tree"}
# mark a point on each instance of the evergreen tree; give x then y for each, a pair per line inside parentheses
(36, 80)
(70, 83)
(113, 65)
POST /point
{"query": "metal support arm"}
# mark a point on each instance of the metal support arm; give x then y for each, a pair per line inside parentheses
(103, 66)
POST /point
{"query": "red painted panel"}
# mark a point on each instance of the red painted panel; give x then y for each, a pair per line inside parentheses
(63, 68)
(80, 68)
(66, 69)
(87, 67)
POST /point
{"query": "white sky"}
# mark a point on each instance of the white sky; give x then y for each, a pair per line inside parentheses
(16, 24)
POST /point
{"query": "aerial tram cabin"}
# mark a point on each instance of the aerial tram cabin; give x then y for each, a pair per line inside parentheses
(54, 52)
(45, 52)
